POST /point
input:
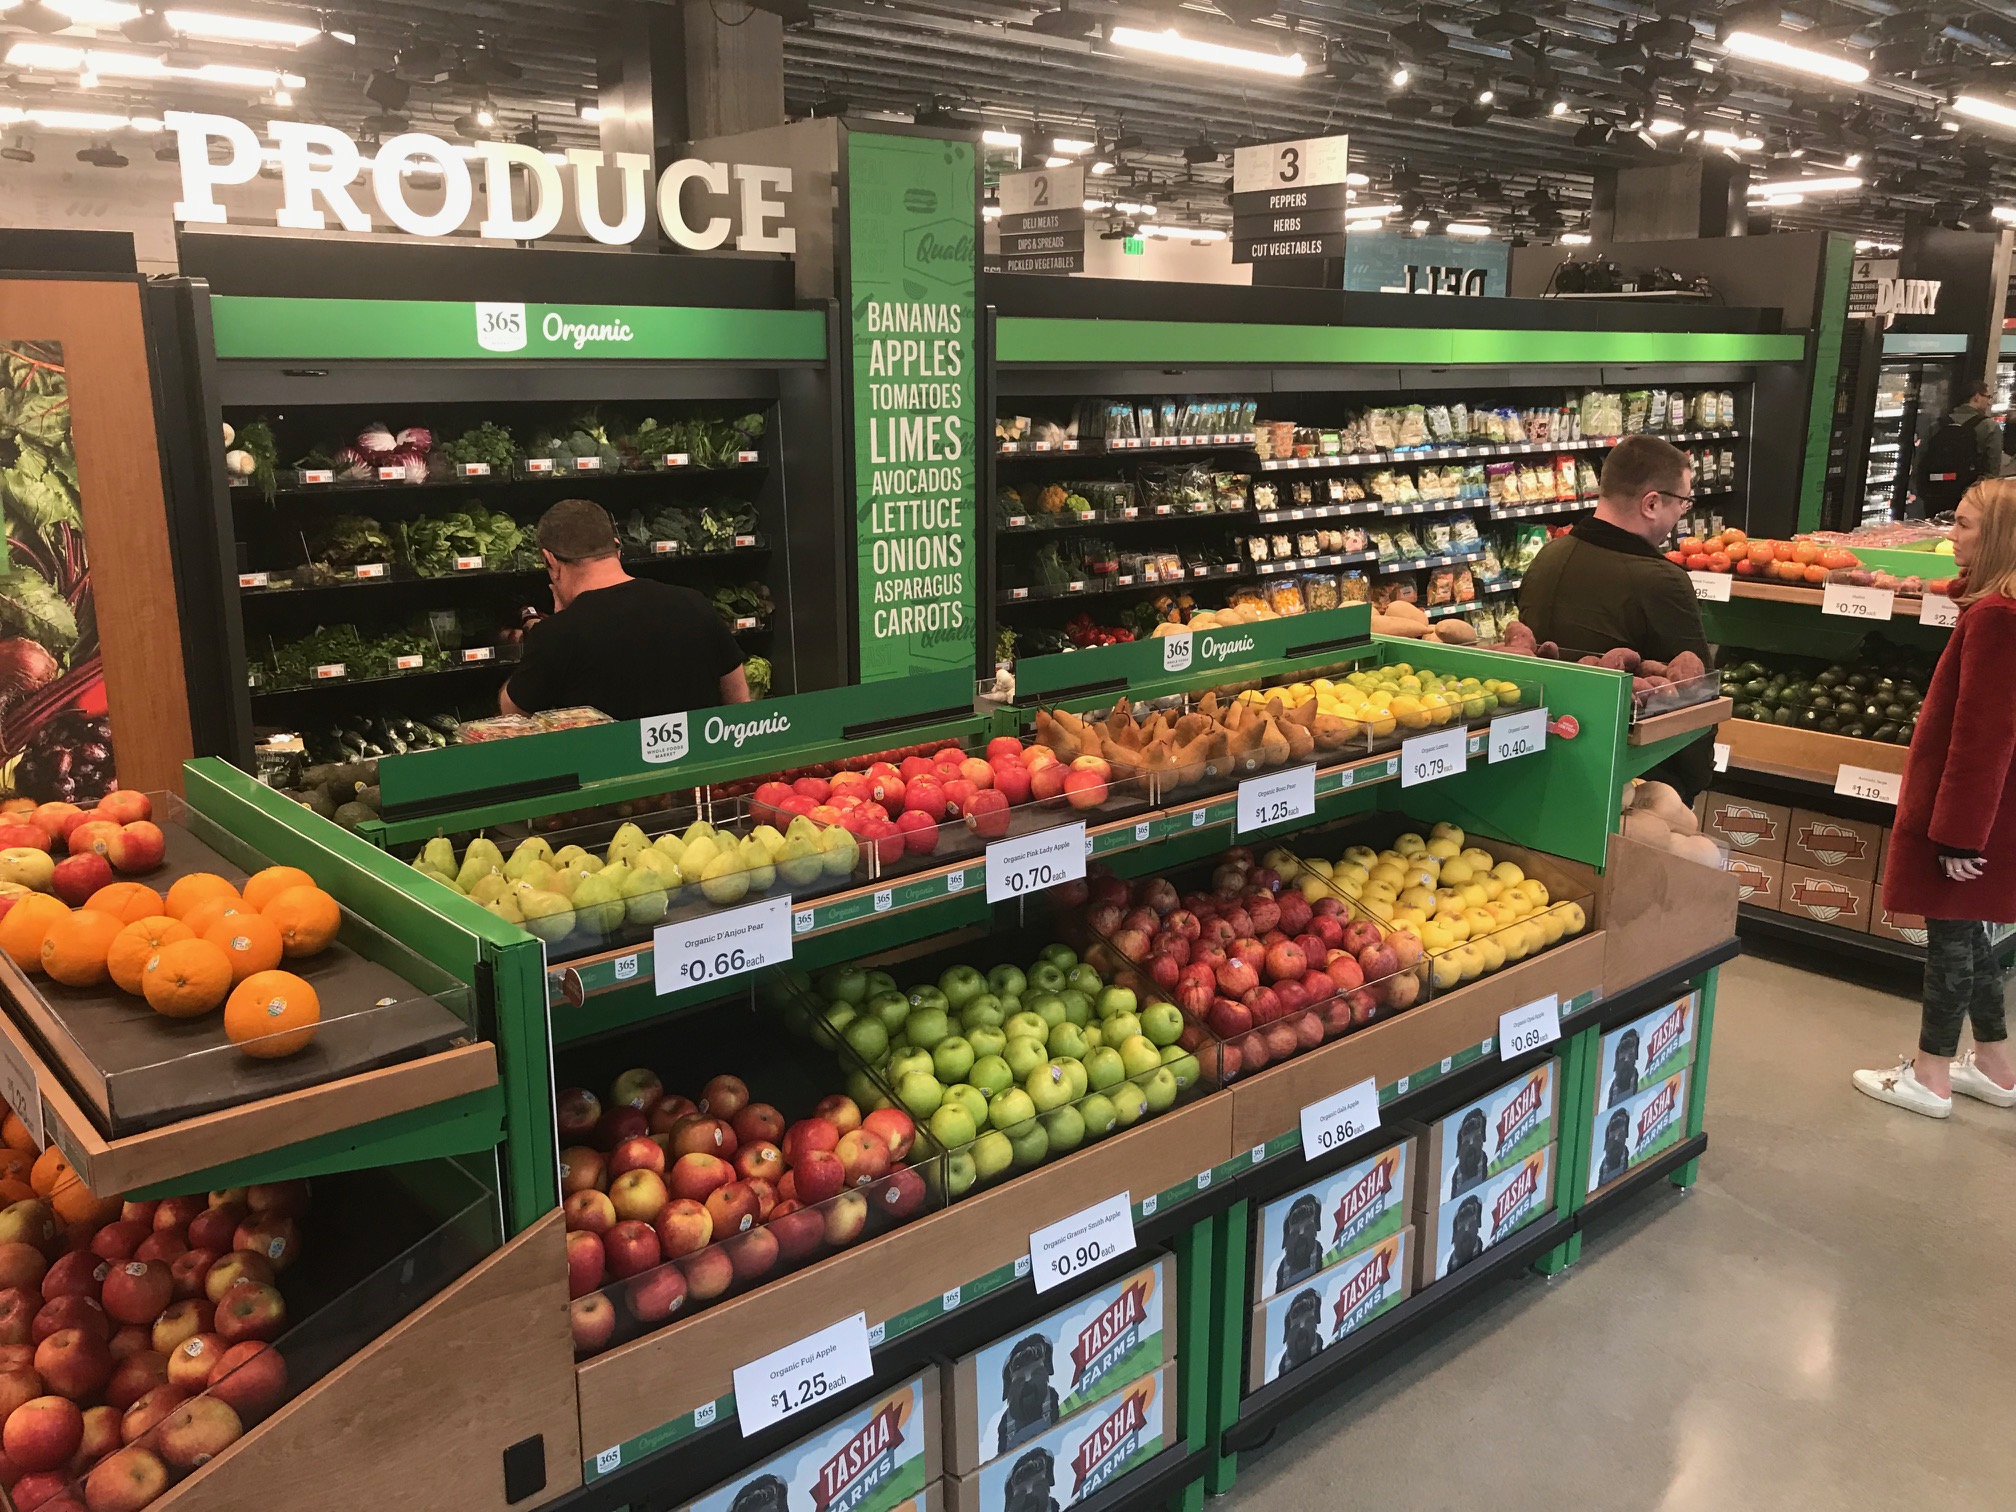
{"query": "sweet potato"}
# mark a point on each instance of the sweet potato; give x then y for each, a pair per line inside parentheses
(1685, 666)
(1456, 632)
(1619, 659)
(1550, 650)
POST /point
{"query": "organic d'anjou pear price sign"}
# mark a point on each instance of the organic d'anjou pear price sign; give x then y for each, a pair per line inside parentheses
(694, 952)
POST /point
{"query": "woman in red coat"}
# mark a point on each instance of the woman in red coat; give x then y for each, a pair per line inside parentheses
(1952, 853)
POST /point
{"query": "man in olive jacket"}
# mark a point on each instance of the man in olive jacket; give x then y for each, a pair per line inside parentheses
(1607, 582)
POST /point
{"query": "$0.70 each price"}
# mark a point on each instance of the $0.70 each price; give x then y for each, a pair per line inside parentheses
(1024, 864)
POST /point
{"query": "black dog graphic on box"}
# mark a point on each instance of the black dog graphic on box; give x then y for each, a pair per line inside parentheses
(1471, 1166)
(1029, 1484)
(1624, 1070)
(1616, 1147)
(1468, 1225)
(1302, 1250)
(766, 1493)
(1029, 1402)
(1302, 1338)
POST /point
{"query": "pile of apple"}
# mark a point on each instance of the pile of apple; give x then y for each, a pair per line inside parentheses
(72, 852)
(899, 808)
(1009, 1068)
(136, 1341)
(1264, 968)
(679, 1199)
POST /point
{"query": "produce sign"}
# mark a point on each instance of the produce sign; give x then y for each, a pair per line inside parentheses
(802, 1375)
(912, 233)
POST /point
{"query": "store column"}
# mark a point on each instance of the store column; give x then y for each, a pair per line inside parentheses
(671, 75)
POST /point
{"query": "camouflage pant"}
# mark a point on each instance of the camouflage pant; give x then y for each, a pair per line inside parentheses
(1963, 981)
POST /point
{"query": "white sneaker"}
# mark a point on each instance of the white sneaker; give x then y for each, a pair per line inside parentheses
(1902, 1088)
(1972, 1081)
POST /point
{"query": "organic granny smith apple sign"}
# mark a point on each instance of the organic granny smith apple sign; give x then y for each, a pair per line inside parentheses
(802, 1375)
(694, 952)
(1082, 1242)
(1024, 864)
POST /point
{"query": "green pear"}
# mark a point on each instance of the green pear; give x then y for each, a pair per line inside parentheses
(799, 861)
(535, 847)
(484, 849)
(505, 906)
(539, 873)
(802, 828)
(598, 902)
(698, 856)
(474, 870)
(567, 880)
(547, 914)
(446, 879)
(644, 896)
(490, 886)
(767, 837)
(657, 863)
(527, 862)
(567, 855)
(838, 851)
(697, 830)
(725, 880)
(628, 841)
(440, 855)
(756, 861)
(671, 847)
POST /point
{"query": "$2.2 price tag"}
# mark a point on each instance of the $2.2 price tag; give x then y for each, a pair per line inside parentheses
(693, 952)
(1340, 1118)
(1515, 735)
(1865, 782)
(1276, 798)
(1937, 609)
(1084, 1240)
(802, 1375)
(1030, 863)
(1528, 1028)
(20, 1088)
(1427, 758)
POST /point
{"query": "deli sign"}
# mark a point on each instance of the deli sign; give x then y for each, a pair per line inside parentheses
(324, 175)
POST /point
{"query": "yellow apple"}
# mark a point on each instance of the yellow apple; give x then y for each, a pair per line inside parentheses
(1471, 958)
(1410, 844)
(1479, 858)
(27, 867)
(1446, 970)
(1446, 831)
(1473, 895)
(1443, 849)
(1551, 926)
(1494, 951)
(1456, 871)
(1573, 921)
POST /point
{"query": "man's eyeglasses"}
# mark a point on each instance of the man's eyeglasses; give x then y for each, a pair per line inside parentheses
(1667, 493)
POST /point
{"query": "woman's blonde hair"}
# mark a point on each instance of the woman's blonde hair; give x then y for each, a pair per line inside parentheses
(1994, 567)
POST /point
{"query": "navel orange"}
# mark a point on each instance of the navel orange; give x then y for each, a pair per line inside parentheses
(27, 925)
(73, 951)
(263, 887)
(308, 918)
(271, 1014)
(252, 943)
(126, 901)
(136, 945)
(186, 979)
(188, 891)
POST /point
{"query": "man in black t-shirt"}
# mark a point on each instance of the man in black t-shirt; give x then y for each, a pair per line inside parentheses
(631, 647)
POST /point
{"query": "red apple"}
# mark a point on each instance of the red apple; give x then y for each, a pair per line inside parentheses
(631, 1248)
(758, 1123)
(724, 1097)
(76, 878)
(837, 1109)
(1013, 781)
(1359, 934)
(135, 1376)
(886, 786)
(165, 1245)
(593, 1320)
(43, 1434)
(697, 1176)
(17, 1316)
(732, 1208)
(1400, 990)
(883, 838)
(900, 1195)
(75, 1274)
(582, 1169)
(197, 1432)
(1265, 1004)
(1406, 947)
(150, 1411)
(641, 1154)
(1085, 788)
(863, 1157)
(895, 1128)
(799, 1230)
(619, 1123)
(684, 1228)
(818, 1176)
(1364, 1005)
(239, 1265)
(587, 1263)
(190, 1270)
(135, 847)
(1291, 995)
(926, 796)
(667, 1112)
(1046, 783)
(913, 767)
(180, 1322)
(252, 1377)
(766, 1196)
(753, 1255)
(810, 1134)
(18, 1385)
(589, 1211)
(82, 1313)
(136, 1291)
(282, 1199)
(760, 1160)
(22, 1265)
(92, 837)
(1308, 1029)
(251, 1311)
(637, 1195)
(124, 806)
(1228, 1018)
(708, 1274)
(763, 802)
(656, 1295)
(16, 835)
(846, 1216)
(919, 831)
(1286, 962)
(215, 1227)
(1378, 961)
(1236, 978)
(815, 789)
(702, 1135)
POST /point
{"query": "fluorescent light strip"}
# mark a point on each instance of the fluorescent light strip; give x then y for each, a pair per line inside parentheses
(1102, 167)
(990, 212)
(1999, 111)
(85, 12)
(1762, 49)
(1173, 44)
(2004, 213)
(1468, 228)
(1574, 238)
(1774, 201)
(1054, 161)
(1839, 185)
(1373, 212)
(1718, 138)
(1002, 138)
(1071, 145)
(1662, 128)
(1185, 233)
(51, 58)
(216, 28)
(1364, 225)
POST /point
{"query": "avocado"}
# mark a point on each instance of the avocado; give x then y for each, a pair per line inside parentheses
(318, 798)
(350, 815)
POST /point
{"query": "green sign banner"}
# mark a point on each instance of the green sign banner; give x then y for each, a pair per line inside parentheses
(1193, 655)
(333, 329)
(912, 243)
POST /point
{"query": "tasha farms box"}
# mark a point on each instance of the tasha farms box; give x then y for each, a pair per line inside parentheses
(1634, 1131)
(1460, 1150)
(1295, 1327)
(1461, 1230)
(875, 1459)
(1760, 880)
(1079, 1455)
(1829, 843)
(1751, 827)
(1843, 902)
(1019, 1387)
(1646, 1051)
(1318, 1225)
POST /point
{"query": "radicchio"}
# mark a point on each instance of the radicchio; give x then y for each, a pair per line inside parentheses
(417, 439)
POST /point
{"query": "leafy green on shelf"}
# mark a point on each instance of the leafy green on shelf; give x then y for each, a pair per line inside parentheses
(745, 601)
(433, 543)
(352, 541)
(256, 439)
(757, 670)
(721, 524)
(489, 442)
(582, 438)
(676, 525)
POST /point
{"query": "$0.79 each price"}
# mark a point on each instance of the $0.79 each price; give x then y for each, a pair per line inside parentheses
(1426, 758)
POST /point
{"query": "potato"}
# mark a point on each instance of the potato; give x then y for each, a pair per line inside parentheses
(1644, 825)
(1386, 624)
(1697, 848)
(1658, 798)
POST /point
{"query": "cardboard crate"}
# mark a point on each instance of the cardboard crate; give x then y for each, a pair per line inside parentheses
(1631, 1133)
(1073, 1460)
(1829, 843)
(1760, 881)
(1314, 1227)
(1828, 898)
(1463, 1149)
(878, 1458)
(1017, 1388)
(1646, 1051)
(1459, 1232)
(1659, 909)
(1329, 1306)
(1910, 928)
(1749, 825)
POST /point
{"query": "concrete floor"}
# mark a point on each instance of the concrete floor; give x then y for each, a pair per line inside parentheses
(1752, 1344)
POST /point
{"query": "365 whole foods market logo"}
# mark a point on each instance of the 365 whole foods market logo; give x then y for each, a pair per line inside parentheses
(664, 739)
(1831, 843)
(1825, 901)
(1176, 652)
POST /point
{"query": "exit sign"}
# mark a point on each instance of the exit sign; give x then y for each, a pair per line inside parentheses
(1133, 246)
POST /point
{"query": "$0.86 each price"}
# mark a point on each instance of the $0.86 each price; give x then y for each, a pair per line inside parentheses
(1340, 1118)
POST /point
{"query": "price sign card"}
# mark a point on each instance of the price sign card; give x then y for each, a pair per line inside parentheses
(1937, 609)
(1864, 782)
(1721, 757)
(1712, 587)
(20, 1088)
(1515, 735)
(1340, 1118)
(1528, 1028)
(1276, 798)
(1856, 603)
(1081, 1242)
(1030, 863)
(802, 1375)
(695, 952)
(1428, 758)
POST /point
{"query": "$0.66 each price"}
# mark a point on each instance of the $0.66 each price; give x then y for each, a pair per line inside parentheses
(692, 952)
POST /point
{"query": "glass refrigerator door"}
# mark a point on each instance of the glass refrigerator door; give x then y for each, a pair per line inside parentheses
(1895, 410)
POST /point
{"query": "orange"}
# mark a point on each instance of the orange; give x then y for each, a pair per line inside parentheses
(13, 1191)
(49, 1168)
(136, 945)
(308, 918)
(15, 1165)
(271, 1014)
(186, 979)
(265, 886)
(73, 952)
(252, 943)
(27, 922)
(126, 901)
(210, 910)
(76, 1203)
(193, 889)
(14, 1134)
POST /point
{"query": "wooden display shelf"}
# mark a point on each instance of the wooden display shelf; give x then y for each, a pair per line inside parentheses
(1658, 910)
(1902, 607)
(1805, 755)
(1680, 721)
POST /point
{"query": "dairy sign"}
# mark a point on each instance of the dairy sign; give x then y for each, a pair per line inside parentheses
(325, 178)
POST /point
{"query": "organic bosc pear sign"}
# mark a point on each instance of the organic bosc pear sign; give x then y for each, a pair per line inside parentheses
(912, 249)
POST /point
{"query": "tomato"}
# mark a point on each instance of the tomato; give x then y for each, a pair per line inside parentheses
(1781, 551)
(1734, 537)
(1805, 553)
(1690, 545)
(1697, 561)
(1718, 561)
(1761, 553)
(1677, 558)
(1746, 568)
(1815, 573)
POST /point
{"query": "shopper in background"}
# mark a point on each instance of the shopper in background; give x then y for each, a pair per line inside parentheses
(1952, 852)
(1964, 447)
(631, 647)
(1607, 582)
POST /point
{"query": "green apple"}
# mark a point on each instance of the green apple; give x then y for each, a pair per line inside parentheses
(929, 997)
(1024, 1054)
(1047, 1006)
(1085, 979)
(848, 983)
(1159, 1089)
(837, 1016)
(1048, 1086)
(1077, 1006)
(960, 1173)
(1065, 1129)
(990, 1074)
(986, 1041)
(951, 1058)
(1007, 981)
(1011, 1004)
(1129, 1103)
(921, 1094)
(925, 1027)
(992, 1154)
(984, 1008)
(1139, 1055)
(861, 1087)
(1104, 1068)
(1028, 1023)
(1114, 1000)
(1094, 1036)
(903, 1062)
(971, 1098)
(1031, 1145)
(961, 984)
(867, 1038)
(1067, 1041)
(1074, 1072)
(1046, 976)
(952, 1126)
(1063, 957)
(880, 981)
(1120, 1028)
(1097, 1113)
(892, 1008)
(1008, 1110)
(1162, 1023)
(1182, 1065)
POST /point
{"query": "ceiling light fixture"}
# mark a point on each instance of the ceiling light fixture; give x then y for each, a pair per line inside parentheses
(1419, 225)
(1002, 139)
(1839, 185)
(1573, 238)
(215, 28)
(1399, 78)
(1102, 166)
(1055, 161)
(1071, 146)
(282, 99)
(1559, 108)
(1187, 233)
(1729, 139)
(49, 16)
(1468, 228)
(1486, 96)
(1374, 212)
(1759, 48)
(1173, 44)
(54, 58)
(1357, 180)
(1998, 111)
(993, 212)
(1364, 225)
(1664, 127)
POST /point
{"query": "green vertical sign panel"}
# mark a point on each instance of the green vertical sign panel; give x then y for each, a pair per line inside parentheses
(912, 250)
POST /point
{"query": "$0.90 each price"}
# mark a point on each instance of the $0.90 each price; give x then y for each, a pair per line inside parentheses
(696, 951)
(1076, 1244)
